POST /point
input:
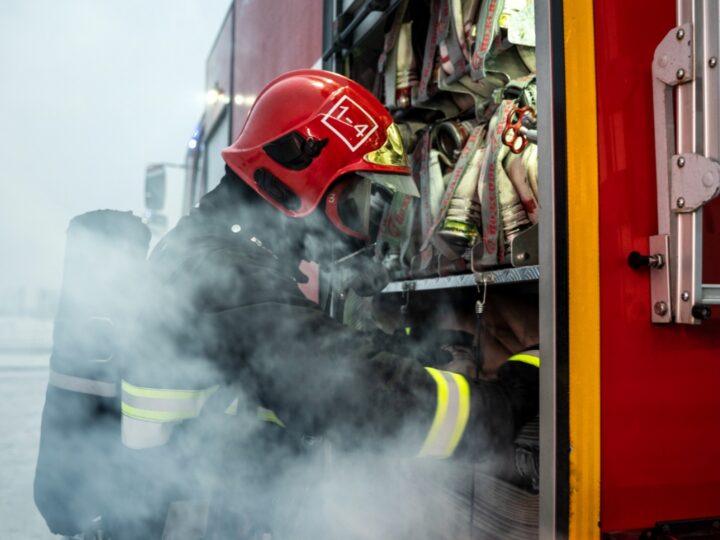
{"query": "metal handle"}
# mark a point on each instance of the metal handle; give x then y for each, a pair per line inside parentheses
(636, 260)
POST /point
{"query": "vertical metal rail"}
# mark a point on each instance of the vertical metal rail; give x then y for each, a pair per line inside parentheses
(553, 300)
(707, 19)
(706, 71)
(688, 230)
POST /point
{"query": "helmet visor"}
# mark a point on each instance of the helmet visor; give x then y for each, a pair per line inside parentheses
(361, 207)
(394, 183)
(392, 152)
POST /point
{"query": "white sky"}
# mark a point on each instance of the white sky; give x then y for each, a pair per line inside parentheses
(91, 91)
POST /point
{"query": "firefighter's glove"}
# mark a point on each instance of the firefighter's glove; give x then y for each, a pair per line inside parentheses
(498, 410)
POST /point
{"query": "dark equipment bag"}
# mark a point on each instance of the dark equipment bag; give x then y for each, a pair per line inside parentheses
(77, 480)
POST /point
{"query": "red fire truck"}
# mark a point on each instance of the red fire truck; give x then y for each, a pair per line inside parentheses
(628, 138)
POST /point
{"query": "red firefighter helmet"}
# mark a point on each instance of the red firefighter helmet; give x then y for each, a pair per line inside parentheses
(308, 128)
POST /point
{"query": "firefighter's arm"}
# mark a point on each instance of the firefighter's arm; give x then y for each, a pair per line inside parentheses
(323, 379)
(474, 418)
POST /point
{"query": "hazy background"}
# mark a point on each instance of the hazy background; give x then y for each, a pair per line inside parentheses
(91, 91)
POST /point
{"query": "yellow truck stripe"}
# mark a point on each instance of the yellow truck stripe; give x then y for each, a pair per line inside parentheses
(584, 274)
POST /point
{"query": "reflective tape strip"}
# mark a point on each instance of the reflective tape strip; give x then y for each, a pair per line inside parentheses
(233, 407)
(267, 415)
(451, 414)
(82, 385)
(163, 404)
(149, 415)
(140, 434)
(164, 393)
(528, 357)
(156, 416)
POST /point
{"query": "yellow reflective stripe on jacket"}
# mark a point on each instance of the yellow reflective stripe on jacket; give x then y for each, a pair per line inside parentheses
(163, 404)
(156, 416)
(164, 393)
(263, 414)
(528, 357)
(267, 415)
(451, 414)
(149, 415)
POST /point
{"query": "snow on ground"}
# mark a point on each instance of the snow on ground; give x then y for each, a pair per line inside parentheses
(25, 334)
(23, 378)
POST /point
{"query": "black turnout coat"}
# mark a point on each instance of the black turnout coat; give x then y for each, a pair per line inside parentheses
(222, 310)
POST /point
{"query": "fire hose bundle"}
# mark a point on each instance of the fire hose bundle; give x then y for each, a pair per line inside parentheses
(459, 78)
(467, 113)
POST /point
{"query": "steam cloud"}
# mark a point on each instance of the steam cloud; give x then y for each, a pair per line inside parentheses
(316, 478)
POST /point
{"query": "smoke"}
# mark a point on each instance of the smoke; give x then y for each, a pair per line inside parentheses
(218, 307)
(86, 123)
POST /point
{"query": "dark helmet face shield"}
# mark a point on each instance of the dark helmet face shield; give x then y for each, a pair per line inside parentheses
(358, 203)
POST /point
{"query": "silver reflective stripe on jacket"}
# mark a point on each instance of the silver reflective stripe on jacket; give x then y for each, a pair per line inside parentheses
(82, 385)
(451, 414)
(149, 414)
(140, 434)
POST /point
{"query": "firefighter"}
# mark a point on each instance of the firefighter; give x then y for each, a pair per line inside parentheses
(226, 332)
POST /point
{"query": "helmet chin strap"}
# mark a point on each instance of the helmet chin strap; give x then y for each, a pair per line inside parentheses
(332, 210)
(360, 272)
(361, 251)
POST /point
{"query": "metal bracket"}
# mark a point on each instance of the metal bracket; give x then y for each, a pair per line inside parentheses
(524, 248)
(660, 280)
(408, 286)
(673, 59)
(694, 181)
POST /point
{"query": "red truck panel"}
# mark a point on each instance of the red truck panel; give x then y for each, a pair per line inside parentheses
(660, 397)
(283, 36)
